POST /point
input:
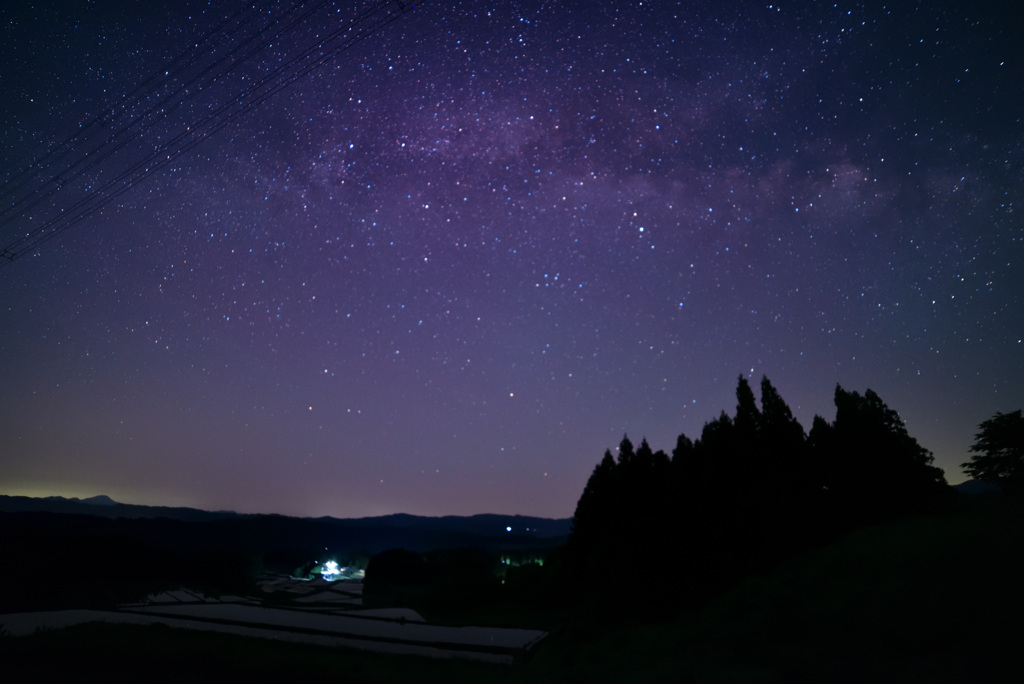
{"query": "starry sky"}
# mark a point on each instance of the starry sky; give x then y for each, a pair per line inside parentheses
(440, 267)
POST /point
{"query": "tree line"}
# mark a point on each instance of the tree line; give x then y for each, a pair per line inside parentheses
(754, 489)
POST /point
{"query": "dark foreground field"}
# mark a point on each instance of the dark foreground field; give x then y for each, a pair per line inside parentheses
(930, 600)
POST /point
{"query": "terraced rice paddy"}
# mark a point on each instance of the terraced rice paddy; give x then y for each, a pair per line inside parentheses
(315, 612)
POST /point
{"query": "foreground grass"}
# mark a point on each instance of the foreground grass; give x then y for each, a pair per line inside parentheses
(932, 600)
(928, 600)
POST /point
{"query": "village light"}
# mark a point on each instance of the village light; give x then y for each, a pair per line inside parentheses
(330, 570)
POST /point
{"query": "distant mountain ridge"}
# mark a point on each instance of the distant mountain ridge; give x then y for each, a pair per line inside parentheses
(98, 500)
(104, 506)
(402, 528)
(482, 523)
(978, 487)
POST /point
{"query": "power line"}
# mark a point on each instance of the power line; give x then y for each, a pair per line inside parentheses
(92, 125)
(349, 33)
(161, 107)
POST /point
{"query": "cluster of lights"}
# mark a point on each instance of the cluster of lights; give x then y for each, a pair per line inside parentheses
(330, 571)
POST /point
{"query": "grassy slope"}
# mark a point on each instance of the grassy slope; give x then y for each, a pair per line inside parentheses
(936, 600)
(930, 600)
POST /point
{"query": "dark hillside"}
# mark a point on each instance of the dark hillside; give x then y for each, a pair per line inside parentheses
(111, 558)
(935, 599)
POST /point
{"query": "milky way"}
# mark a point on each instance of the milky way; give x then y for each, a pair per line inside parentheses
(449, 267)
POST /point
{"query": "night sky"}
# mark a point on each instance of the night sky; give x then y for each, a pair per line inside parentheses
(445, 270)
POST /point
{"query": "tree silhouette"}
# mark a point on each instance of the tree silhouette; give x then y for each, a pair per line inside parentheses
(593, 511)
(622, 518)
(872, 469)
(397, 567)
(753, 490)
(788, 496)
(591, 542)
(999, 451)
